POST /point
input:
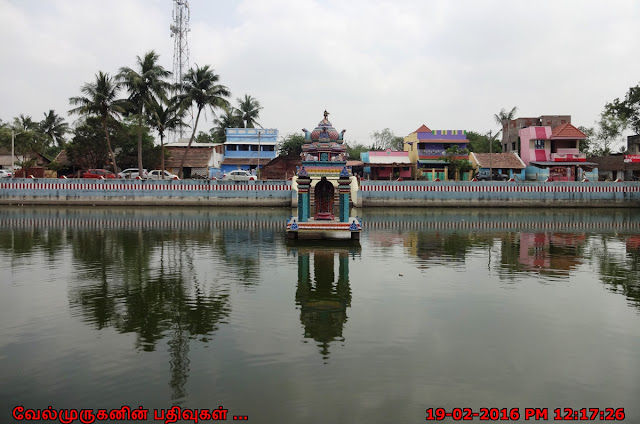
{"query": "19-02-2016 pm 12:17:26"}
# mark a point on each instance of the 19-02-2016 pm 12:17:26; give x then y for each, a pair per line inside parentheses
(514, 414)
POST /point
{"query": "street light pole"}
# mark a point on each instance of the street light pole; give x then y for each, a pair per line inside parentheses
(13, 156)
(258, 171)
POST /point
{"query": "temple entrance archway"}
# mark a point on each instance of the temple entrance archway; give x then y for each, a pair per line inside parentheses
(324, 195)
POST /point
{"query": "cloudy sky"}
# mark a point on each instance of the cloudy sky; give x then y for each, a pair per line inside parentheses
(449, 64)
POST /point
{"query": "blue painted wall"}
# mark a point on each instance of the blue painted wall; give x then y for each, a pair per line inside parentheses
(246, 143)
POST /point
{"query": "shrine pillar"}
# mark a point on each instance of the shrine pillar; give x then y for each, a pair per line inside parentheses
(344, 190)
(304, 200)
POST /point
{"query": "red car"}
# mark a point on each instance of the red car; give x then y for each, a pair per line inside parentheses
(98, 173)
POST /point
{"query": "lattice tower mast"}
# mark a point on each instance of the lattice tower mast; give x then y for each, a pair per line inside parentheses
(179, 30)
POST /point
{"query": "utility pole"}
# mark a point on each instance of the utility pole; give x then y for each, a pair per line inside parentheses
(258, 170)
(490, 152)
(13, 155)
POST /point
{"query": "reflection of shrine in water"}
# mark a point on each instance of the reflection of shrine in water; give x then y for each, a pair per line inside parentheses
(323, 298)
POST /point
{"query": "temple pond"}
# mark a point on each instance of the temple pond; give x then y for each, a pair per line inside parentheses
(203, 308)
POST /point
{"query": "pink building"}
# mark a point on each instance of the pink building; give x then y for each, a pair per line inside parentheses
(553, 153)
(389, 165)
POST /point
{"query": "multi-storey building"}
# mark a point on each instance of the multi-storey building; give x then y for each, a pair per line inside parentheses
(249, 148)
(549, 146)
(427, 147)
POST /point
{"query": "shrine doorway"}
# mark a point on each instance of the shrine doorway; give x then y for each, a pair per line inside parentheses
(324, 195)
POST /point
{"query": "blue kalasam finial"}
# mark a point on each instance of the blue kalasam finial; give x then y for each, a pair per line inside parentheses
(344, 173)
(307, 134)
(303, 172)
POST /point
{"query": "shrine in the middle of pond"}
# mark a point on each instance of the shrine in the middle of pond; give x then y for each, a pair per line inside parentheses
(324, 161)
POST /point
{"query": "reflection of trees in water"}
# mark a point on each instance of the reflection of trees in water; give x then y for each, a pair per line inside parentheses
(441, 246)
(618, 260)
(240, 248)
(145, 282)
(323, 300)
(24, 242)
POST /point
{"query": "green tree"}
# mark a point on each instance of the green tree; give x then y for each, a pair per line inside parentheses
(456, 165)
(100, 100)
(87, 149)
(249, 109)
(163, 117)
(29, 140)
(503, 117)
(229, 118)
(127, 136)
(204, 137)
(386, 139)
(354, 150)
(585, 146)
(201, 87)
(145, 86)
(626, 111)
(601, 138)
(291, 145)
(479, 143)
(54, 126)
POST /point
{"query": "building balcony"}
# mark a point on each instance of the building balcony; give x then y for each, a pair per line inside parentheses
(569, 157)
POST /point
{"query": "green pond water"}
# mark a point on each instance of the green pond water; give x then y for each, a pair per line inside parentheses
(202, 308)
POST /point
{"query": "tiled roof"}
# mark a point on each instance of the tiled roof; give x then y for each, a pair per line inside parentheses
(508, 160)
(567, 131)
(197, 157)
(613, 163)
(62, 158)
(422, 129)
(389, 159)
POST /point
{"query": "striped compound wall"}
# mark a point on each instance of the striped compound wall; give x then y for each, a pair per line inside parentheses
(145, 192)
(279, 193)
(507, 194)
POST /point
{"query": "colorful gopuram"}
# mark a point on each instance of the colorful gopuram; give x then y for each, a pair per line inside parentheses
(323, 170)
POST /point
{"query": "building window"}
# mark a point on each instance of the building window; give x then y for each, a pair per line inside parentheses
(243, 147)
(254, 148)
(232, 147)
(539, 144)
(513, 146)
(268, 148)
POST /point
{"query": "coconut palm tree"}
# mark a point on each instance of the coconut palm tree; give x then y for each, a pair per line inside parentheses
(229, 118)
(100, 100)
(201, 87)
(29, 139)
(54, 126)
(503, 119)
(144, 86)
(163, 117)
(249, 110)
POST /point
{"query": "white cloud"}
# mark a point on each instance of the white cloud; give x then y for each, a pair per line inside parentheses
(372, 64)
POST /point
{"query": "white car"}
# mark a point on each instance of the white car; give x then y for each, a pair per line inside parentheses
(156, 174)
(239, 175)
(4, 173)
(133, 173)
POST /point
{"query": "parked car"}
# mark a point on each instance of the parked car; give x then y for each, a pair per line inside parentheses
(98, 173)
(156, 174)
(133, 173)
(5, 174)
(239, 175)
(483, 175)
